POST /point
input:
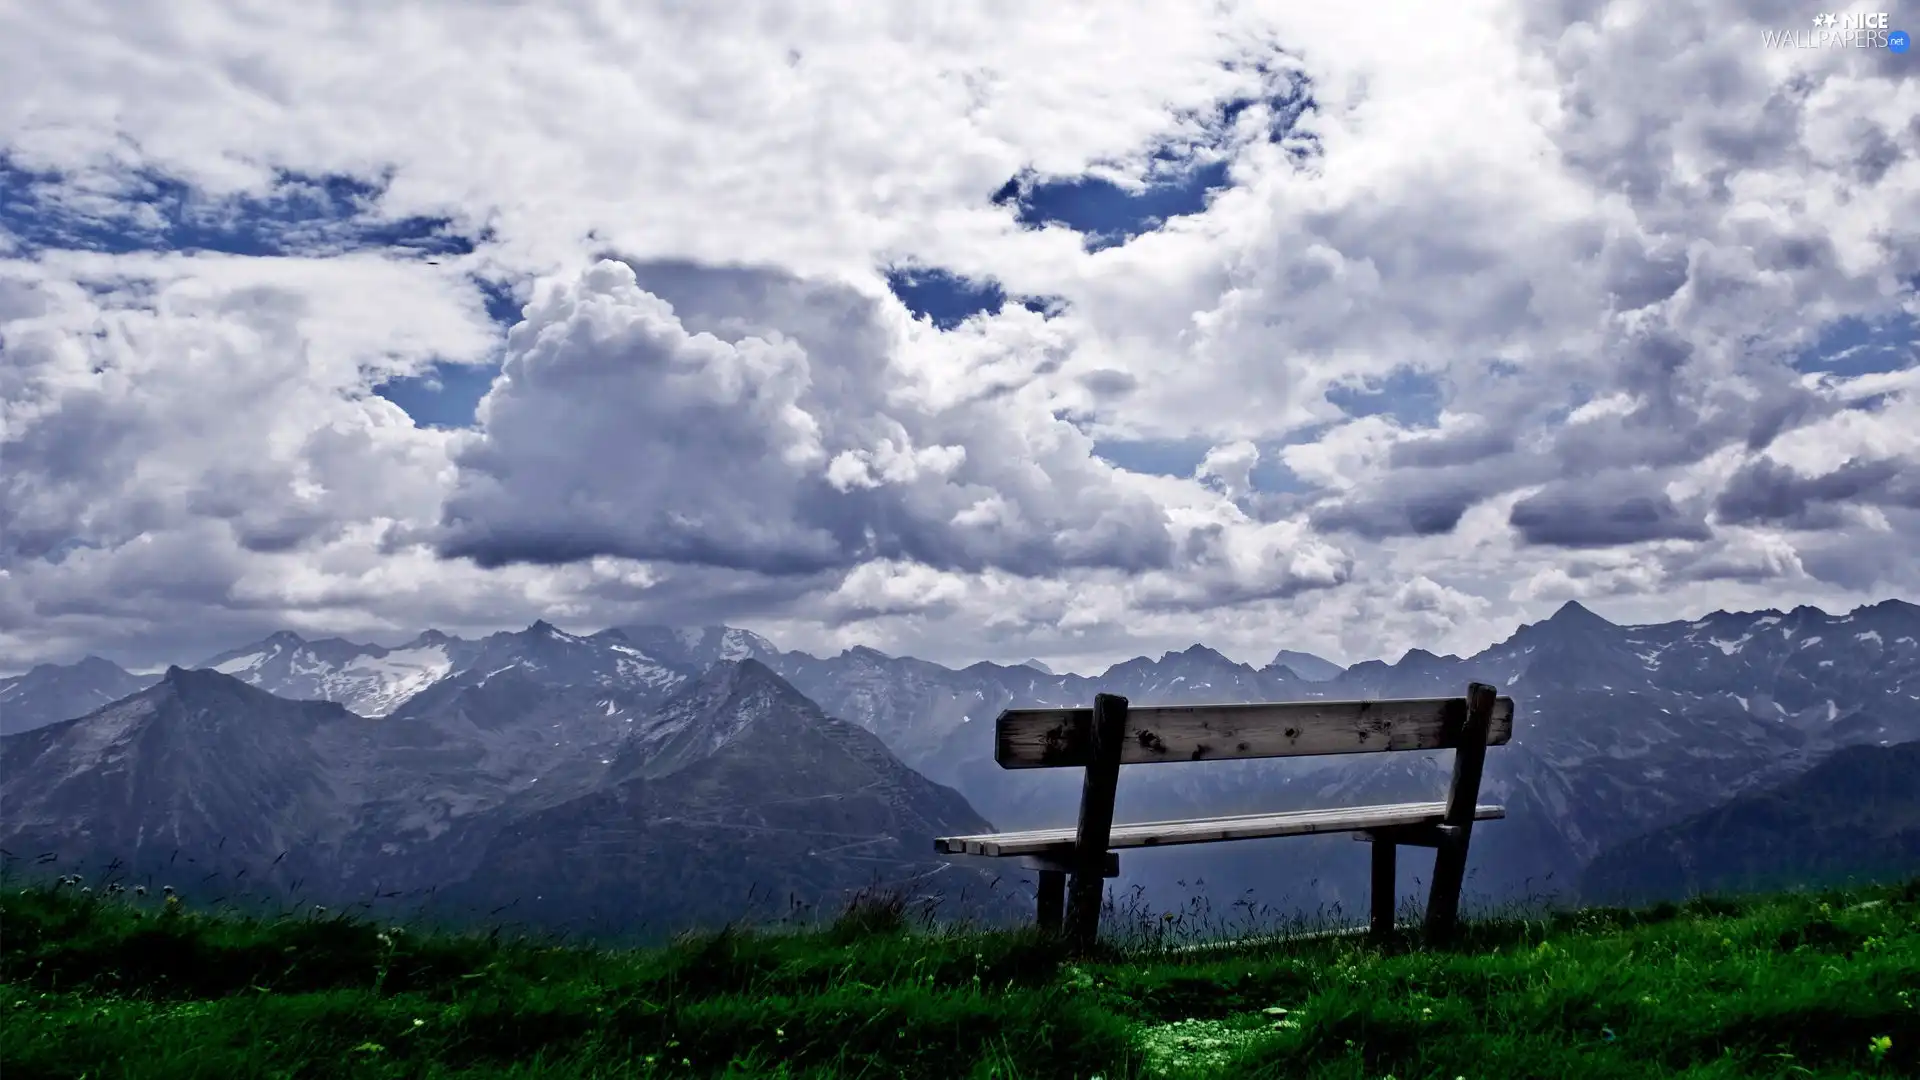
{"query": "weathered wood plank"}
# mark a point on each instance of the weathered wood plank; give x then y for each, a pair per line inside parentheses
(1063, 863)
(1426, 836)
(1463, 794)
(1208, 830)
(1381, 894)
(1060, 738)
(1051, 898)
(1097, 791)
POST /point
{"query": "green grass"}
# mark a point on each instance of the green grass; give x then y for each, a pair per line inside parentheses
(1796, 985)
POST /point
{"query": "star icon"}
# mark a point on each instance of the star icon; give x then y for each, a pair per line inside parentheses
(1819, 20)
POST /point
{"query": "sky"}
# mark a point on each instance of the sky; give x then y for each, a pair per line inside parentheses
(969, 331)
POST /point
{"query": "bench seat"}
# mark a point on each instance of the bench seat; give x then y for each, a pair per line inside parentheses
(1058, 842)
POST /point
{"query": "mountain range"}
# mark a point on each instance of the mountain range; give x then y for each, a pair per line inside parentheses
(1855, 815)
(664, 809)
(473, 766)
(53, 692)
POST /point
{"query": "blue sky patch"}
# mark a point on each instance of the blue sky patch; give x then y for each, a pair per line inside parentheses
(949, 299)
(447, 395)
(1106, 214)
(1412, 398)
(1184, 172)
(1154, 457)
(144, 210)
(1853, 346)
(1180, 457)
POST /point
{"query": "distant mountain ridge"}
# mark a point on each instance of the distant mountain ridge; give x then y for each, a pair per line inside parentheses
(1621, 729)
(1306, 665)
(460, 795)
(52, 692)
(1854, 815)
(197, 757)
(737, 771)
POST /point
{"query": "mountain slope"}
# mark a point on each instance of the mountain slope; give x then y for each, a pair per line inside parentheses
(1306, 665)
(53, 692)
(1855, 814)
(697, 648)
(198, 762)
(739, 788)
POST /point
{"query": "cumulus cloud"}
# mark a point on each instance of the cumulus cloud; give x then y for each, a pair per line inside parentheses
(1229, 468)
(796, 446)
(1526, 305)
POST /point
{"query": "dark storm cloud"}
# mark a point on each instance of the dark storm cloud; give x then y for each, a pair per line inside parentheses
(1605, 512)
(1766, 491)
(1413, 511)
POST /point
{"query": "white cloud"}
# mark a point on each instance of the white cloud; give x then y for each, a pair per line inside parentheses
(1597, 234)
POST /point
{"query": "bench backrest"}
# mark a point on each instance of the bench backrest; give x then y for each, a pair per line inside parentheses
(1063, 738)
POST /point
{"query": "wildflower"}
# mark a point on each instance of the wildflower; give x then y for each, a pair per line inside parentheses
(168, 889)
(139, 890)
(1879, 1045)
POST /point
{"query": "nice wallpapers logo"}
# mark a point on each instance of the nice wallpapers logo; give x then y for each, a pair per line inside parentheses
(1859, 30)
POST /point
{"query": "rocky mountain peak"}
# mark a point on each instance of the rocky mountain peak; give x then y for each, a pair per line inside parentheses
(1575, 614)
(733, 682)
(1306, 665)
(194, 686)
(718, 708)
(1201, 653)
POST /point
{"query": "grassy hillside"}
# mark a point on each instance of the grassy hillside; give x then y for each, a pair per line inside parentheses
(1795, 985)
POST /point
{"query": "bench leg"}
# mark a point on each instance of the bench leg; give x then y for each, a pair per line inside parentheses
(1450, 856)
(1053, 898)
(1449, 876)
(1097, 791)
(1383, 887)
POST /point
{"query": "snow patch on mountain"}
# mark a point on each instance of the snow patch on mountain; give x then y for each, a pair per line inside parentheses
(645, 671)
(738, 644)
(245, 663)
(370, 680)
(380, 684)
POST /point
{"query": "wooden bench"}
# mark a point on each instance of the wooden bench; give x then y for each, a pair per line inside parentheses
(1109, 735)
